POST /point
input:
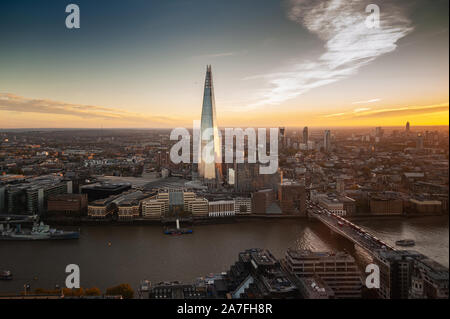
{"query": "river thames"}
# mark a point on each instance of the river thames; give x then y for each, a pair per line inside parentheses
(110, 255)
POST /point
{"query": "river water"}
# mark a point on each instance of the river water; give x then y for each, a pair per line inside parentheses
(109, 255)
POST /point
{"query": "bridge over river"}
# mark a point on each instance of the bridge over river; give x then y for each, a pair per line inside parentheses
(347, 229)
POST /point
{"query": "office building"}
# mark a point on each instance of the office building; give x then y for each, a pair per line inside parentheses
(2, 199)
(247, 178)
(243, 205)
(338, 270)
(30, 196)
(305, 135)
(176, 290)
(257, 274)
(154, 208)
(199, 207)
(409, 274)
(125, 206)
(314, 288)
(221, 208)
(104, 190)
(419, 142)
(282, 137)
(385, 204)
(210, 170)
(67, 204)
(292, 197)
(262, 200)
(327, 141)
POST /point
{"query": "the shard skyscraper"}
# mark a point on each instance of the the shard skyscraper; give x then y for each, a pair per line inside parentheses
(210, 166)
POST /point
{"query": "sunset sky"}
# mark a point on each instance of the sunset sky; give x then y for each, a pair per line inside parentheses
(142, 63)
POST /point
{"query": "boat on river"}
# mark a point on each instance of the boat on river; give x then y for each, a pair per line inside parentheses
(405, 242)
(39, 231)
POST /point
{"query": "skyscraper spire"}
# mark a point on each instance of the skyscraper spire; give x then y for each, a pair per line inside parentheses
(210, 170)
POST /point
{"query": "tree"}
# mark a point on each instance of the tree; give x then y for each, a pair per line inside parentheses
(94, 291)
(41, 291)
(73, 292)
(123, 290)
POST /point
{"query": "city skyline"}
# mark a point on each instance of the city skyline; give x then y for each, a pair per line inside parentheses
(296, 71)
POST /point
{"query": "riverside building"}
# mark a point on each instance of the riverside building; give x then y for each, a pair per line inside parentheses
(338, 270)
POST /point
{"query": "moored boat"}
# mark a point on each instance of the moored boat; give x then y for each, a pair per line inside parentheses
(38, 232)
(405, 242)
(5, 275)
(180, 231)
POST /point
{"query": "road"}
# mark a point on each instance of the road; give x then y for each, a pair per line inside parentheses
(344, 227)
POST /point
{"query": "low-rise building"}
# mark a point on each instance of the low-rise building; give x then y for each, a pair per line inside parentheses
(221, 208)
(154, 208)
(338, 270)
(409, 274)
(385, 204)
(67, 204)
(242, 205)
(425, 207)
(199, 207)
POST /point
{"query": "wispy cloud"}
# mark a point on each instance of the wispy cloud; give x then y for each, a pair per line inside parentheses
(367, 101)
(391, 112)
(399, 111)
(219, 55)
(349, 45)
(15, 103)
(334, 115)
(361, 109)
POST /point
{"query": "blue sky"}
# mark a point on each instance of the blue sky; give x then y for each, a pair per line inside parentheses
(146, 59)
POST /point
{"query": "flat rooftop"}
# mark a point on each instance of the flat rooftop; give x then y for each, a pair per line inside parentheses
(308, 254)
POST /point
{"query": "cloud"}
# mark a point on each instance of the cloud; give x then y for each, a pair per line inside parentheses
(391, 112)
(349, 45)
(15, 103)
(367, 101)
(334, 115)
(361, 109)
(400, 111)
(219, 55)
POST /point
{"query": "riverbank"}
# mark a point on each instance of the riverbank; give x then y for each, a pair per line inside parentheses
(85, 221)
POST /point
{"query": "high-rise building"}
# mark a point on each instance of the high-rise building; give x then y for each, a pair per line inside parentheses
(210, 169)
(282, 136)
(407, 127)
(305, 135)
(379, 132)
(327, 141)
(419, 142)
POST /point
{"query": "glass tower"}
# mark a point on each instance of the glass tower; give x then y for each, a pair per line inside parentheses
(210, 159)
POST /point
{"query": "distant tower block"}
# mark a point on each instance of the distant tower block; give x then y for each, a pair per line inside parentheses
(327, 141)
(282, 137)
(210, 172)
(305, 135)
